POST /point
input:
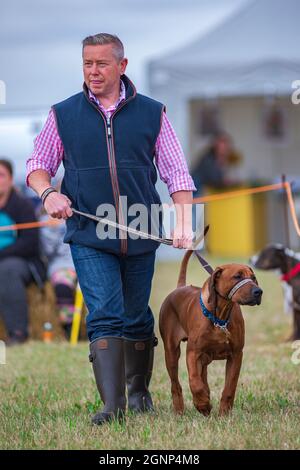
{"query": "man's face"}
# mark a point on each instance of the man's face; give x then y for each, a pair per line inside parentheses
(102, 70)
(6, 180)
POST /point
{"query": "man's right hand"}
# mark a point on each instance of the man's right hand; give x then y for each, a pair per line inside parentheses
(58, 206)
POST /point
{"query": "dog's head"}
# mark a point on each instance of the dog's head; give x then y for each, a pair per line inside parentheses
(235, 282)
(271, 257)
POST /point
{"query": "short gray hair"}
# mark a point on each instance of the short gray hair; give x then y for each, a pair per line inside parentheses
(105, 38)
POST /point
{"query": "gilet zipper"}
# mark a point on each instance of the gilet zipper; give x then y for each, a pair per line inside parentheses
(114, 176)
(112, 163)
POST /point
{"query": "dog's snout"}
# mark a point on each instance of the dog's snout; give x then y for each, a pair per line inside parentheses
(257, 292)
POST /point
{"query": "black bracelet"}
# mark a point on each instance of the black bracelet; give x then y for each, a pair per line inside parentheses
(46, 193)
(47, 189)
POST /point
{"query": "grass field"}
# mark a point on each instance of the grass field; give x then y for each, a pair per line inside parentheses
(48, 391)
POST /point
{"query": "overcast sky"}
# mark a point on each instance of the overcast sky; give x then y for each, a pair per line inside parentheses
(40, 41)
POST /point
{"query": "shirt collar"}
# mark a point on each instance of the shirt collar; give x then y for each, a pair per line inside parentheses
(122, 97)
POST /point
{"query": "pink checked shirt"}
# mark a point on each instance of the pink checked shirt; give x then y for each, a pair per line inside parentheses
(171, 164)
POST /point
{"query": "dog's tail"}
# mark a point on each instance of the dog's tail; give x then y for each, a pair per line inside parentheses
(182, 274)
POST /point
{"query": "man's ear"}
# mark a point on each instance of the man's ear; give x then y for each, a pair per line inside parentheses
(123, 65)
(212, 297)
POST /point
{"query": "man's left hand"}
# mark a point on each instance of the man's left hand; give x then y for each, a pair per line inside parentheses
(183, 238)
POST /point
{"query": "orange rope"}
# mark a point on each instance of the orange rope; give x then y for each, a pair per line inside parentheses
(289, 194)
(260, 189)
(197, 200)
(30, 225)
(239, 192)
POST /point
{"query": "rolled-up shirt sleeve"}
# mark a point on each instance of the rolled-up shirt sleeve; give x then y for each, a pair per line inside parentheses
(170, 160)
(48, 150)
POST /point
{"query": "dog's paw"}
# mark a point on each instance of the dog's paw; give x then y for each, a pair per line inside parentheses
(224, 411)
(178, 404)
(178, 408)
(204, 410)
(179, 412)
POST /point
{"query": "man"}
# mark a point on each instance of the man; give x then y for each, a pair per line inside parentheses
(107, 137)
(20, 261)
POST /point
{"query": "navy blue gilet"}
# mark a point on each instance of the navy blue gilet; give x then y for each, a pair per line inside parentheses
(99, 170)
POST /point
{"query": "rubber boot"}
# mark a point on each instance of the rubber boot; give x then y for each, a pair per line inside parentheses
(107, 357)
(139, 356)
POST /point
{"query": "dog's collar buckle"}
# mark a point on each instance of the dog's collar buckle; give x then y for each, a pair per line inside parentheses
(222, 327)
(225, 330)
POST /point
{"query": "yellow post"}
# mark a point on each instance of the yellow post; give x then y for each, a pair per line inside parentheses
(77, 316)
(238, 225)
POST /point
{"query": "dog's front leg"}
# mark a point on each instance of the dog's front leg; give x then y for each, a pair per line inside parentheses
(233, 367)
(199, 389)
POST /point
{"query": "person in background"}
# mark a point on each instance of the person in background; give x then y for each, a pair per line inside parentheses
(20, 257)
(61, 271)
(214, 166)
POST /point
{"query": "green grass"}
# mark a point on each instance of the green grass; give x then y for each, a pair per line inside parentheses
(48, 392)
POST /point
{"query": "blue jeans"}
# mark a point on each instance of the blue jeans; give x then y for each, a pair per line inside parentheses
(116, 291)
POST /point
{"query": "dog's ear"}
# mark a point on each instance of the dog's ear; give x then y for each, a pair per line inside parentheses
(255, 280)
(212, 297)
(280, 257)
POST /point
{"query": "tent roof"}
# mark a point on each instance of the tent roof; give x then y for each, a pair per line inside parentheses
(256, 48)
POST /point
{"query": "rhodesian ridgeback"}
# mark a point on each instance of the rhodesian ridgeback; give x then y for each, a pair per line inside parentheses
(211, 321)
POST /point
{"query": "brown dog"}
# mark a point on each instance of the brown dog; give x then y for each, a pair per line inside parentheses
(183, 318)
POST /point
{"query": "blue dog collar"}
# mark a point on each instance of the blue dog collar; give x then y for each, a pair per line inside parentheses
(215, 320)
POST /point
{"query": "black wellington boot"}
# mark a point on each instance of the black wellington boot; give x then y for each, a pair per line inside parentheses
(139, 356)
(107, 357)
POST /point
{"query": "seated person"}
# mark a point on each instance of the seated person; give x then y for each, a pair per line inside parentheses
(213, 168)
(20, 257)
(61, 271)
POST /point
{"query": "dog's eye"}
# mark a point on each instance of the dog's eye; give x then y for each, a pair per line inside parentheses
(237, 276)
